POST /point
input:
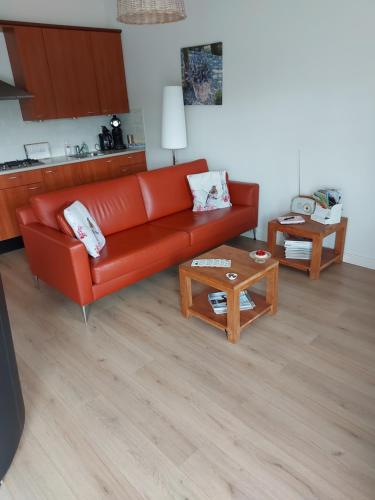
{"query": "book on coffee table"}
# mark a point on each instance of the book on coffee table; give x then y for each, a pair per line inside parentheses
(218, 301)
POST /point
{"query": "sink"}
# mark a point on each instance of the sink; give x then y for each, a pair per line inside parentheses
(86, 155)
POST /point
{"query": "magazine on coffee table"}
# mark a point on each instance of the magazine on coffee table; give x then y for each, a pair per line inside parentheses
(218, 301)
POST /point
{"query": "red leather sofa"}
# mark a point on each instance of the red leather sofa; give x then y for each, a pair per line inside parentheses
(148, 223)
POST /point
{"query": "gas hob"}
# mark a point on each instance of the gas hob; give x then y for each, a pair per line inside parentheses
(13, 165)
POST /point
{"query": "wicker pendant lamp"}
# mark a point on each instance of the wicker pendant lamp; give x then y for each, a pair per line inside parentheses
(150, 11)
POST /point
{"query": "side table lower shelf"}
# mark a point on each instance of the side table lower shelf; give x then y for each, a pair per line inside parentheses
(328, 257)
(201, 308)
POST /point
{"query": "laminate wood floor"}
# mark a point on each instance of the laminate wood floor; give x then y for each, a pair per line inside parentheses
(146, 404)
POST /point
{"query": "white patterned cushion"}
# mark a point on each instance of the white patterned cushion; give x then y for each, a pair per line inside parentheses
(209, 190)
(85, 228)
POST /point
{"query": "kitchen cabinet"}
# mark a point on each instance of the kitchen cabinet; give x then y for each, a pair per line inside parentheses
(71, 64)
(10, 200)
(126, 165)
(16, 188)
(71, 71)
(110, 72)
(61, 177)
(20, 178)
(30, 68)
(92, 171)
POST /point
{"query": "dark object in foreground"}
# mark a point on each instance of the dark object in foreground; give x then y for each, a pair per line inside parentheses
(12, 410)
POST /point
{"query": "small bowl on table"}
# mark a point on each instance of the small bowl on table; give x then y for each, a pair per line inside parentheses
(260, 256)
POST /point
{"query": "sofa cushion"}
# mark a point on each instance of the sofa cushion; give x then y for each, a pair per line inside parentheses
(166, 190)
(116, 204)
(132, 249)
(202, 226)
(209, 190)
(85, 228)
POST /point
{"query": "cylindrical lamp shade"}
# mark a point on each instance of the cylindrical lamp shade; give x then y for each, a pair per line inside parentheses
(173, 134)
(150, 11)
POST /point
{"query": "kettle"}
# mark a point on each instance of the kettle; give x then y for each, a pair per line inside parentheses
(105, 139)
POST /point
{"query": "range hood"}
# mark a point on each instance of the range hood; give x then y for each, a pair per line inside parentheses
(9, 92)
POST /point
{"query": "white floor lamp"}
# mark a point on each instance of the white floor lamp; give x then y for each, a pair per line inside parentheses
(173, 133)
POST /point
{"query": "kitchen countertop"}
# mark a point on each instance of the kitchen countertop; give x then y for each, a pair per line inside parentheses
(55, 161)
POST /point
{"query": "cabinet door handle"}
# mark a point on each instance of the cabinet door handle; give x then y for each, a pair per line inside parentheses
(13, 177)
(50, 172)
(31, 188)
(125, 169)
(109, 161)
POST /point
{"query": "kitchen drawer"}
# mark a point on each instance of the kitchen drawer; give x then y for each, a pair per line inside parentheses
(130, 159)
(20, 178)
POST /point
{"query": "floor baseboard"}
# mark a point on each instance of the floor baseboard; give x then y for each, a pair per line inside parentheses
(10, 245)
(359, 260)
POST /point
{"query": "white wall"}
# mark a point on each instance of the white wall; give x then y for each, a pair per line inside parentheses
(14, 132)
(298, 74)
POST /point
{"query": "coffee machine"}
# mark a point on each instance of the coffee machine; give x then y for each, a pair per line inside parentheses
(118, 140)
(105, 140)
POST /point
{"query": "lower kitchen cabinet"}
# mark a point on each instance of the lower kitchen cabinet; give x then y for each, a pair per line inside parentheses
(17, 188)
(126, 165)
(91, 171)
(10, 200)
(55, 178)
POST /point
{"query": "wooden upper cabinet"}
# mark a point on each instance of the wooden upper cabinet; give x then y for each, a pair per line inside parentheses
(71, 71)
(70, 59)
(31, 71)
(110, 71)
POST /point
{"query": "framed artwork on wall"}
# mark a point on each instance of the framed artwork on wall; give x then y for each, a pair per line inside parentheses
(202, 74)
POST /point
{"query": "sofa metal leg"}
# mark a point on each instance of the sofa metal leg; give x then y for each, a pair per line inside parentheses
(85, 313)
(255, 233)
(36, 281)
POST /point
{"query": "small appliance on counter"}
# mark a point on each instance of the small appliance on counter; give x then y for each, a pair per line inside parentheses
(105, 139)
(118, 140)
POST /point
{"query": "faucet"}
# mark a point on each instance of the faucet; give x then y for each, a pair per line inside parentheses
(81, 151)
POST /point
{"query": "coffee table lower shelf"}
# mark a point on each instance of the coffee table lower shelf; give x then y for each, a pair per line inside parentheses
(201, 308)
(328, 257)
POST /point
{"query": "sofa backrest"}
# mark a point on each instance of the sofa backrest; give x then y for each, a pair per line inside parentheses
(166, 190)
(116, 204)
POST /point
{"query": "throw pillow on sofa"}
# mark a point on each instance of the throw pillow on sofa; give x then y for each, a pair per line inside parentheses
(85, 228)
(209, 190)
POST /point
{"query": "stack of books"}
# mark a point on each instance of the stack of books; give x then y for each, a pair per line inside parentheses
(298, 249)
(218, 301)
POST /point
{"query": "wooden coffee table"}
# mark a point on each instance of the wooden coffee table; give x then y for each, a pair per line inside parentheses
(249, 273)
(321, 257)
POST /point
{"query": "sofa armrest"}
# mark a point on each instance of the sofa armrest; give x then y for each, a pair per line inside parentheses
(244, 193)
(59, 260)
(25, 215)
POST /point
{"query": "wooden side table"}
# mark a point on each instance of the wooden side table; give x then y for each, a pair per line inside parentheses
(322, 257)
(249, 273)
